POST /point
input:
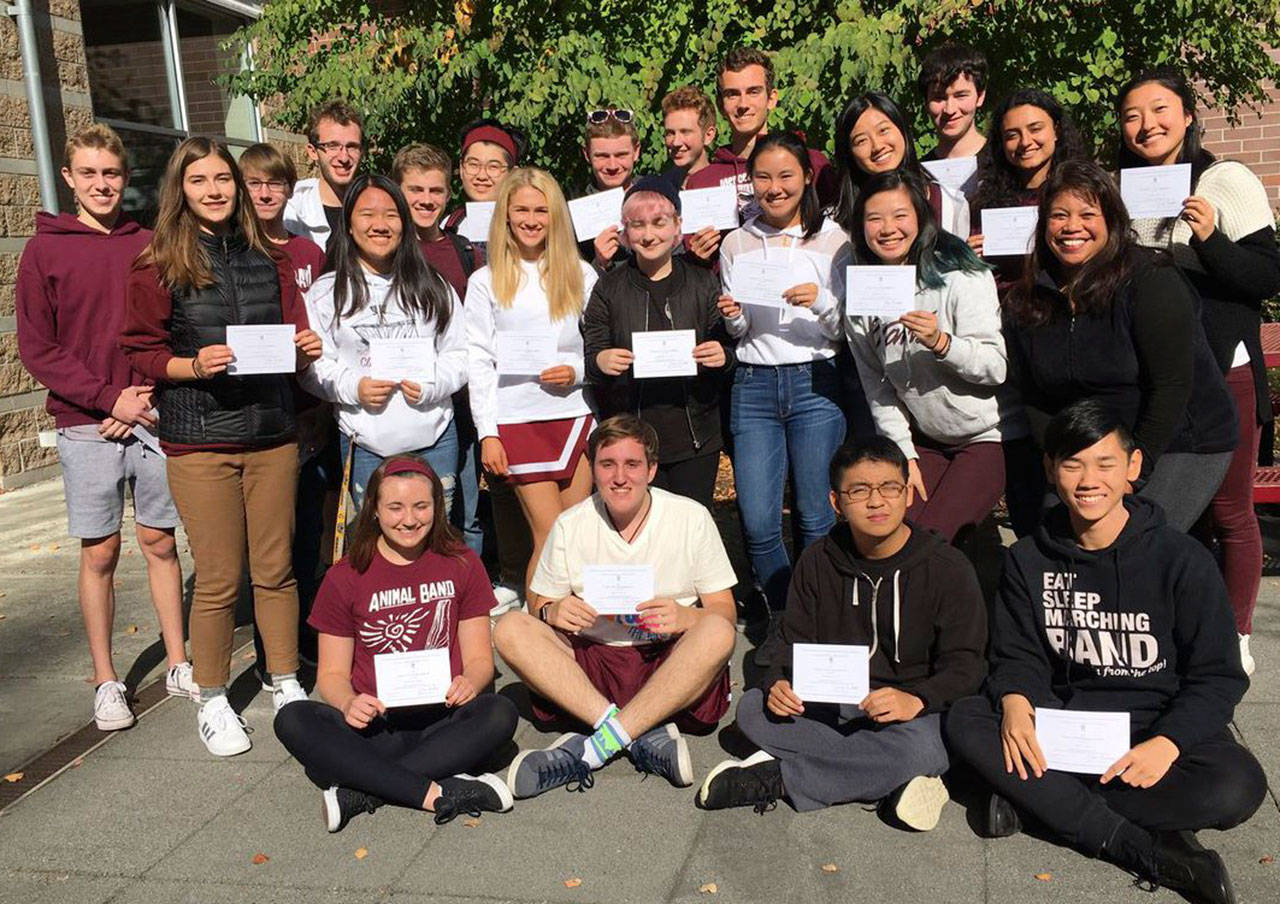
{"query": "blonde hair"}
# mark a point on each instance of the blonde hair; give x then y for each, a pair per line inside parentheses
(559, 268)
(99, 137)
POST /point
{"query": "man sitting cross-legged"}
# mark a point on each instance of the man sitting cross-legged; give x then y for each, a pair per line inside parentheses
(626, 675)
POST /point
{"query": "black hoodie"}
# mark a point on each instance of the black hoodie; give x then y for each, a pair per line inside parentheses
(1163, 649)
(920, 611)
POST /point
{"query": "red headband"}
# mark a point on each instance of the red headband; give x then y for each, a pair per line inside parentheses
(408, 466)
(496, 136)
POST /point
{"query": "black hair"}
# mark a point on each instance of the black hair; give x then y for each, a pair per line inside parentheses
(852, 176)
(1080, 425)
(945, 64)
(810, 208)
(934, 252)
(518, 137)
(1000, 182)
(414, 282)
(871, 448)
(1192, 151)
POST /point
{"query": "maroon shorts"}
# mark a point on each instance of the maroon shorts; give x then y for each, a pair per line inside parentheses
(619, 672)
(545, 450)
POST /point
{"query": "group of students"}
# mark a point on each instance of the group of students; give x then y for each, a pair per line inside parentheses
(1109, 384)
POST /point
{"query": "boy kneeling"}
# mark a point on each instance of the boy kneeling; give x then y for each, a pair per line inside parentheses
(914, 601)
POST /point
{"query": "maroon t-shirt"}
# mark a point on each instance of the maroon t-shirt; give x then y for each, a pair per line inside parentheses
(444, 257)
(307, 258)
(401, 608)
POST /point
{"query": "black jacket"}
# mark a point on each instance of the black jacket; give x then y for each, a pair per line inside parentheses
(253, 411)
(921, 611)
(619, 306)
(1146, 622)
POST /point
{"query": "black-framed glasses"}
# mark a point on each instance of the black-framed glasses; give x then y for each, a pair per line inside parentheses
(861, 492)
(275, 186)
(332, 147)
(600, 117)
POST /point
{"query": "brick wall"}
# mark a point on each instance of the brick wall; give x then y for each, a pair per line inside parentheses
(1255, 141)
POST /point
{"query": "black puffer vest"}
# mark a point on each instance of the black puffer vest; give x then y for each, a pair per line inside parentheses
(253, 411)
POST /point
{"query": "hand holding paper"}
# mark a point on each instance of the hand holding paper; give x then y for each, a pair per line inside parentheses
(831, 672)
(413, 679)
(1081, 741)
(702, 207)
(593, 214)
(617, 589)
(262, 349)
(663, 353)
(1155, 191)
(880, 290)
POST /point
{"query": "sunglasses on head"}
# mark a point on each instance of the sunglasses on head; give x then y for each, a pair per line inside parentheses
(600, 117)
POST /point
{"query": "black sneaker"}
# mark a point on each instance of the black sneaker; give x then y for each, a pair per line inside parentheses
(339, 805)
(1002, 818)
(471, 794)
(662, 751)
(753, 782)
(1167, 860)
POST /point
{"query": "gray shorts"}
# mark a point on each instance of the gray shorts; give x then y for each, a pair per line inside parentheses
(94, 474)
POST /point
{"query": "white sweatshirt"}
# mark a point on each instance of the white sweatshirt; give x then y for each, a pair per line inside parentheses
(962, 398)
(398, 426)
(304, 213)
(518, 399)
(795, 335)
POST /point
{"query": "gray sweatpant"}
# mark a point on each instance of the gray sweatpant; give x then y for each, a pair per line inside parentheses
(828, 760)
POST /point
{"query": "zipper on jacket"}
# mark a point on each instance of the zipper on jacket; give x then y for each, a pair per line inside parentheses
(231, 283)
(684, 385)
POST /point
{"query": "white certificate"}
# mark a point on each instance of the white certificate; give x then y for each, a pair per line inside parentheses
(475, 225)
(762, 283)
(1076, 741)
(830, 672)
(703, 207)
(146, 437)
(663, 353)
(1155, 191)
(525, 352)
(593, 214)
(262, 349)
(617, 589)
(953, 172)
(1008, 231)
(413, 679)
(880, 290)
(408, 358)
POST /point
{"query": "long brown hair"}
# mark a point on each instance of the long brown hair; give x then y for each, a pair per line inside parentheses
(1093, 287)
(175, 249)
(442, 538)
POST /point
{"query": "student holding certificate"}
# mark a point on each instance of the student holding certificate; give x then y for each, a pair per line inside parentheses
(785, 411)
(231, 440)
(488, 151)
(1109, 609)
(913, 603)
(531, 413)
(656, 292)
(953, 83)
(394, 338)
(1225, 242)
(1096, 316)
(936, 376)
(407, 589)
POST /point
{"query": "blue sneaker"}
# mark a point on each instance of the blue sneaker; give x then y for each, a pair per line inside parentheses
(662, 751)
(536, 771)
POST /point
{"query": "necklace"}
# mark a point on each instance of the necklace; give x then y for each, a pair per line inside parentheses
(639, 524)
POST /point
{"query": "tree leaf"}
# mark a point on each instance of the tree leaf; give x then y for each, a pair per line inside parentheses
(260, 858)
(1045, 877)
(572, 883)
(830, 868)
(709, 888)
(361, 853)
(14, 777)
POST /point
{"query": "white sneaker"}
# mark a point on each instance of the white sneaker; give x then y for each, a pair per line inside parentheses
(918, 804)
(289, 691)
(222, 731)
(111, 709)
(507, 599)
(181, 682)
(1246, 658)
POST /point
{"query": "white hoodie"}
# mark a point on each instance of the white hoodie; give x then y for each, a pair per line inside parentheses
(795, 335)
(398, 426)
(304, 213)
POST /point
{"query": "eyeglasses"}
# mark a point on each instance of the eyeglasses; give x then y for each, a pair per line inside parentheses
(600, 117)
(861, 492)
(330, 148)
(274, 186)
(473, 167)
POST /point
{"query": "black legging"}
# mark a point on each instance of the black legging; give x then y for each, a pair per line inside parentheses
(1216, 784)
(397, 757)
(693, 477)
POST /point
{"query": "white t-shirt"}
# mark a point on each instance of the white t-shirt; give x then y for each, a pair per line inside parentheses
(679, 539)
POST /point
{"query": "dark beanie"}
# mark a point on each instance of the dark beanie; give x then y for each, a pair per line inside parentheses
(657, 184)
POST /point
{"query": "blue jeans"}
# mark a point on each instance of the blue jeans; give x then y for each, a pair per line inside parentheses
(786, 423)
(443, 458)
(463, 513)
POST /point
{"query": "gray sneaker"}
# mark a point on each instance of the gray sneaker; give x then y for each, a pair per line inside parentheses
(662, 751)
(535, 771)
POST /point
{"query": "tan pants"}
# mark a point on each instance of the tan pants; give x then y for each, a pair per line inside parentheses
(231, 502)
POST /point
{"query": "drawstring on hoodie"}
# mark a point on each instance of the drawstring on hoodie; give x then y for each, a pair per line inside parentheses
(875, 621)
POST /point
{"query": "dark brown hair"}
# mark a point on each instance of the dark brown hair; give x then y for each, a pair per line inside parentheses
(620, 427)
(1093, 287)
(338, 111)
(441, 537)
(740, 58)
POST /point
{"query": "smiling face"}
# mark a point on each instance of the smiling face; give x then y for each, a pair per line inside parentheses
(1093, 482)
(427, 192)
(687, 143)
(484, 165)
(98, 178)
(879, 514)
(1154, 123)
(376, 228)
(1076, 229)
(528, 218)
(890, 225)
(1029, 139)
(877, 144)
(746, 100)
(779, 181)
(210, 191)
(651, 226)
(954, 108)
(622, 474)
(612, 160)
(337, 152)
(405, 509)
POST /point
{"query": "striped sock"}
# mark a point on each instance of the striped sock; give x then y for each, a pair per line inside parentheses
(608, 740)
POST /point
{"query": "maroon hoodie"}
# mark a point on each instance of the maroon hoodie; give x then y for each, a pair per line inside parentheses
(70, 306)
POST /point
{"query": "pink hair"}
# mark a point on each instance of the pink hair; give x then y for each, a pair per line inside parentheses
(647, 204)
